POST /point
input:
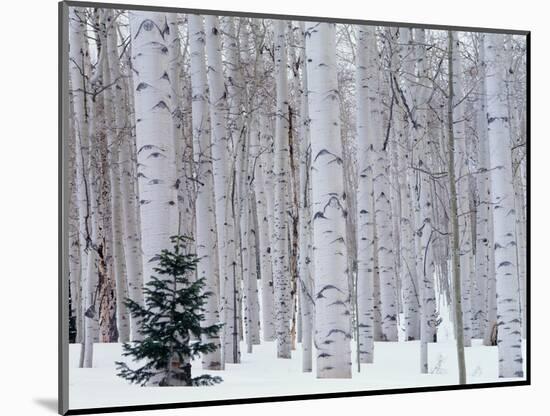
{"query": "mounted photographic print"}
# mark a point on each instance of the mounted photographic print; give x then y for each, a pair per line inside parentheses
(261, 207)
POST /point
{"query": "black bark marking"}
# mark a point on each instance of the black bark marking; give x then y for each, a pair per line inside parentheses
(148, 25)
(161, 105)
(337, 331)
(338, 240)
(322, 152)
(319, 214)
(338, 302)
(141, 86)
(491, 119)
(148, 147)
(327, 287)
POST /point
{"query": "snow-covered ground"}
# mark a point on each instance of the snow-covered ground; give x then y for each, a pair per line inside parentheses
(261, 374)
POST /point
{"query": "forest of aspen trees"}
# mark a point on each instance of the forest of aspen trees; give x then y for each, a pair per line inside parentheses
(344, 187)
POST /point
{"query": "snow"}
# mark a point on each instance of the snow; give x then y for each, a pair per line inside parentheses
(261, 374)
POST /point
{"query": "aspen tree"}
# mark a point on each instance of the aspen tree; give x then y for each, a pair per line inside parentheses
(385, 236)
(507, 287)
(281, 280)
(368, 126)
(206, 235)
(154, 137)
(455, 234)
(223, 192)
(332, 296)
(304, 257)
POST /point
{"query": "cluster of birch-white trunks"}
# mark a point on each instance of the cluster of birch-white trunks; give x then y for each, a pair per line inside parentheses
(354, 177)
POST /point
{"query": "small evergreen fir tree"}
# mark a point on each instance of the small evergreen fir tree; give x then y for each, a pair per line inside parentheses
(173, 312)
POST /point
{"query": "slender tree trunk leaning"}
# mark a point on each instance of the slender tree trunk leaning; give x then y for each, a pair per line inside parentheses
(461, 158)
(426, 234)
(94, 247)
(455, 257)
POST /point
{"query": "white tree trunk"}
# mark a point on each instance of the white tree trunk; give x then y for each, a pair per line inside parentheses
(521, 233)
(96, 267)
(368, 127)
(181, 148)
(79, 66)
(458, 311)
(426, 235)
(253, 316)
(131, 219)
(304, 235)
(463, 191)
(236, 144)
(223, 191)
(102, 112)
(266, 166)
(154, 136)
(206, 234)
(483, 249)
(114, 135)
(281, 277)
(407, 137)
(385, 237)
(155, 146)
(332, 309)
(246, 253)
(78, 55)
(264, 239)
(75, 261)
(507, 288)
